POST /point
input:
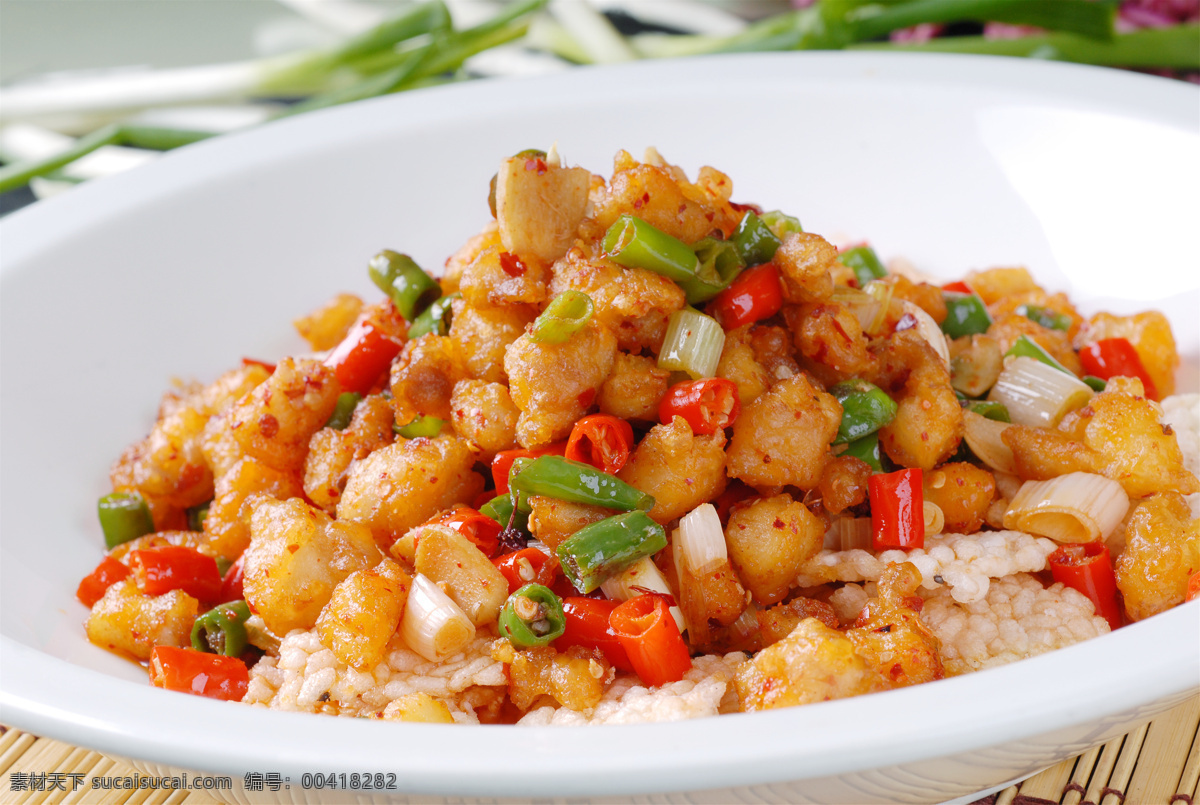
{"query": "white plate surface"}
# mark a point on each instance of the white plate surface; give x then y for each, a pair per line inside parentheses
(1089, 177)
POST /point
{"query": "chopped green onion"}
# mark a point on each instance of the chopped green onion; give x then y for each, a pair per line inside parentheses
(532, 616)
(567, 314)
(196, 516)
(428, 426)
(603, 549)
(222, 630)
(633, 243)
(347, 401)
(720, 264)
(780, 224)
(558, 477)
(399, 276)
(965, 314)
(693, 344)
(755, 242)
(990, 410)
(1096, 384)
(865, 264)
(435, 319)
(867, 449)
(1047, 317)
(865, 409)
(500, 509)
(124, 516)
(1026, 347)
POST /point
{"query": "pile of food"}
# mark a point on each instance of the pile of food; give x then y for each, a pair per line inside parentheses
(644, 453)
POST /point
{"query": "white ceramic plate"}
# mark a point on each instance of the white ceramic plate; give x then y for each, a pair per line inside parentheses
(1086, 176)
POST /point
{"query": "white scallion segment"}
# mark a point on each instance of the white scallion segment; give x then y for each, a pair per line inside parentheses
(853, 533)
(1036, 394)
(433, 625)
(541, 546)
(882, 293)
(702, 539)
(929, 330)
(864, 306)
(693, 344)
(983, 436)
(1072, 508)
(935, 518)
(642, 576)
(747, 622)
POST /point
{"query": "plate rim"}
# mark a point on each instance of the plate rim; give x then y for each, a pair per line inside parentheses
(24, 668)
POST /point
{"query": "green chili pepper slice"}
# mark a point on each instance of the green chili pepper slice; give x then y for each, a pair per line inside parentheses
(1047, 317)
(633, 243)
(1096, 384)
(755, 242)
(434, 319)
(720, 264)
(557, 477)
(399, 276)
(124, 516)
(989, 410)
(501, 508)
(867, 449)
(865, 264)
(567, 314)
(602, 549)
(781, 225)
(532, 616)
(965, 314)
(1026, 347)
(196, 515)
(222, 630)
(343, 412)
(427, 426)
(865, 409)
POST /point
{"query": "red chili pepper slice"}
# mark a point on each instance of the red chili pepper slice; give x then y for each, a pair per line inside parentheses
(897, 510)
(755, 295)
(270, 367)
(1088, 569)
(175, 567)
(188, 671)
(601, 440)
(1110, 357)
(96, 583)
(586, 622)
(651, 638)
(1193, 588)
(367, 351)
(478, 528)
(503, 461)
(231, 585)
(526, 566)
(708, 405)
(957, 287)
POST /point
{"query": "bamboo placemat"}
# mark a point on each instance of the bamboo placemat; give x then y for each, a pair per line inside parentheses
(1156, 764)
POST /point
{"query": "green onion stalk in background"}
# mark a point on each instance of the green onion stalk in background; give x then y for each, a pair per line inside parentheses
(421, 46)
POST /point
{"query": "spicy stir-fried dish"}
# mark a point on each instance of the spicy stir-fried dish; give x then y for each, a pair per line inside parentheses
(644, 453)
